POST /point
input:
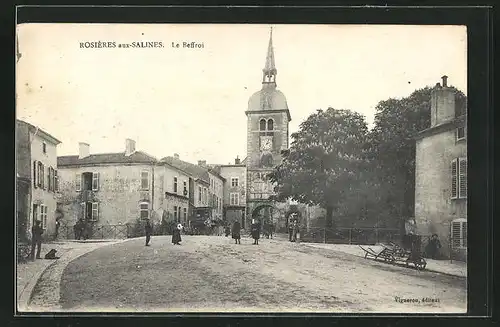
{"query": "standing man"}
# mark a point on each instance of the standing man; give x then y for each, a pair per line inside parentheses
(290, 229)
(36, 240)
(58, 224)
(255, 231)
(149, 231)
(236, 232)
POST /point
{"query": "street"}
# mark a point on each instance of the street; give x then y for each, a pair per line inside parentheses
(211, 273)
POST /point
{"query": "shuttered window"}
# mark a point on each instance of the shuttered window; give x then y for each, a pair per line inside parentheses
(95, 211)
(459, 178)
(144, 210)
(462, 178)
(454, 177)
(459, 233)
(78, 180)
(95, 181)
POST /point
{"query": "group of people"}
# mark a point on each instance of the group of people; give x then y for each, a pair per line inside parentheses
(254, 231)
(293, 230)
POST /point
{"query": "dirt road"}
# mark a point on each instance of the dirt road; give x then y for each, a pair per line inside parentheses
(210, 273)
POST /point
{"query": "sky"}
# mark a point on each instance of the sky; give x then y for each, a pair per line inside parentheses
(192, 101)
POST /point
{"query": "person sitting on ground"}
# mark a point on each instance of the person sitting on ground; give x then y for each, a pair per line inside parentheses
(51, 254)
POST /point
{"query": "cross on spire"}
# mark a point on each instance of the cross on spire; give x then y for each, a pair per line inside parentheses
(270, 68)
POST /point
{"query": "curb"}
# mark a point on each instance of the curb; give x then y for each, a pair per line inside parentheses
(27, 293)
(359, 256)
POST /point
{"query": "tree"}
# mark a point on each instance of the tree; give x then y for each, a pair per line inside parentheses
(391, 149)
(326, 162)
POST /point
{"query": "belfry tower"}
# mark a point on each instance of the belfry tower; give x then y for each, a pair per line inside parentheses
(268, 117)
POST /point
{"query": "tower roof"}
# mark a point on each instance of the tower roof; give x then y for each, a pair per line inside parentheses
(270, 67)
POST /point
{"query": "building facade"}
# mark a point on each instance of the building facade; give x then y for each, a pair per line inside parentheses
(206, 195)
(176, 186)
(441, 174)
(37, 179)
(234, 201)
(109, 189)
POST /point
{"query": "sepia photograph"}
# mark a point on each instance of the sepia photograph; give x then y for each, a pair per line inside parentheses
(241, 168)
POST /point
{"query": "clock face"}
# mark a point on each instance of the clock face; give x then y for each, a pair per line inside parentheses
(266, 143)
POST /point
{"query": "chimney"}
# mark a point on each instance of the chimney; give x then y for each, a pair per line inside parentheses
(176, 156)
(445, 80)
(129, 147)
(83, 150)
(202, 163)
(237, 161)
(442, 103)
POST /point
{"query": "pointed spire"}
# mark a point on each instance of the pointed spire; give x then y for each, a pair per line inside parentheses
(270, 66)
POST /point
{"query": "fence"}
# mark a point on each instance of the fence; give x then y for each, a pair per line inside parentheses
(96, 232)
(362, 236)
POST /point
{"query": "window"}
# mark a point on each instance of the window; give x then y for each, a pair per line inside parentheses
(78, 181)
(234, 181)
(461, 133)
(95, 181)
(199, 194)
(185, 214)
(145, 180)
(185, 188)
(459, 233)
(43, 215)
(144, 210)
(44, 147)
(176, 215)
(175, 184)
(262, 125)
(40, 174)
(95, 211)
(234, 199)
(270, 125)
(459, 178)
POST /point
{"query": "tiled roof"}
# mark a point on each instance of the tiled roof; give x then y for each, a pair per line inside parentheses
(106, 158)
(192, 169)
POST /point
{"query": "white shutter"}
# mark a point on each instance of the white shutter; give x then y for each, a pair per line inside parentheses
(95, 181)
(459, 233)
(454, 178)
(56, 181)
(83, 209)
(462, 178)
(78, 180)
(95, 211)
